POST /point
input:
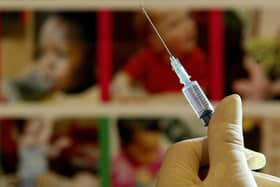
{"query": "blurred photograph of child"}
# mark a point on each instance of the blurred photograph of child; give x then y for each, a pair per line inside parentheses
(33, 148)
(70, 154)
(140, 155)
(64, 63)
(149, 71)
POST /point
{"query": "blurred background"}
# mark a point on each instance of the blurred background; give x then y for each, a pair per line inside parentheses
(88, 97)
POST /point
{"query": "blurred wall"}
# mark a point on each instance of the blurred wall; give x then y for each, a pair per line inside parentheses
(16, 49)
(269, 23)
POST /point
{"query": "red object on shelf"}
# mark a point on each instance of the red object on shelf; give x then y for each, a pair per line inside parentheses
(216, 55)
(104, 52)
(7, 142)
(1, 65)
(24, 17)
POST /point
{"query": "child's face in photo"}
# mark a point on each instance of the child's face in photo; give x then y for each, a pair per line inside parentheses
(177, 29)
(144, 147)
(60, 53)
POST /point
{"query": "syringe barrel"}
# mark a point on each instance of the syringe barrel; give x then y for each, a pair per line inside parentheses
(198, 101)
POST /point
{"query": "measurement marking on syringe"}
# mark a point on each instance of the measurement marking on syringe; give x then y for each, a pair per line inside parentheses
(199, 94)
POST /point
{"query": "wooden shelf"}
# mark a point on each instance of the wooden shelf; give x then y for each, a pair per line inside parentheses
(131, 4)
(115, 110)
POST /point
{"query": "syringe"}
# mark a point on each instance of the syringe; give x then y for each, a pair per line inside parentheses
(191, 90)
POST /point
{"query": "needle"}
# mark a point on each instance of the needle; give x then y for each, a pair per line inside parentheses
(155, 29)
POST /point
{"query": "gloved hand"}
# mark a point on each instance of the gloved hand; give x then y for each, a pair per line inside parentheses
(223, 151)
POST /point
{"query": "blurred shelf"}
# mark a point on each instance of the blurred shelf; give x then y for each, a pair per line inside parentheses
(94, 110)
(131, 4)
(269, 110)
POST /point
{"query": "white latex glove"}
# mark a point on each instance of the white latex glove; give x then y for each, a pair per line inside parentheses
(223, 151)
